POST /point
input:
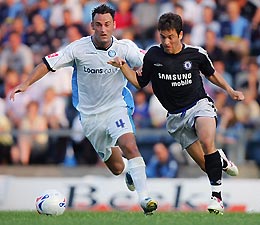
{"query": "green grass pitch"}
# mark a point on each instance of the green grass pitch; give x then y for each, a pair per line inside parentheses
(128, 218)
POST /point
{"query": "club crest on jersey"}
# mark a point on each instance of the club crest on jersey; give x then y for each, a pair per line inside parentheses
(111, 53)
(187, 65)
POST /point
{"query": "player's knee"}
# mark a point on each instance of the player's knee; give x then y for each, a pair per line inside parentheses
(117, 171)
(117, 168)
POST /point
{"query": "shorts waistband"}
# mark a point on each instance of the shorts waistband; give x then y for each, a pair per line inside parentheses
(183, 110)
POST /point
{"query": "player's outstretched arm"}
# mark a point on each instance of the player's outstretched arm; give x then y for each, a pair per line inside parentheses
(38, 72)
(218, 80)
(126, 70)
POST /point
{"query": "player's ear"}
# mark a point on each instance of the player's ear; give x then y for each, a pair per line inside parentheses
(114, 24)
(181, 35)
(92, 25)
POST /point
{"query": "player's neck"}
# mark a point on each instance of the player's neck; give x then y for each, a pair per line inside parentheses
(178, 48)
(101, 45)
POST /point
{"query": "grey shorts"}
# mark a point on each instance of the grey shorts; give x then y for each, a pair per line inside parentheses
(181, 125)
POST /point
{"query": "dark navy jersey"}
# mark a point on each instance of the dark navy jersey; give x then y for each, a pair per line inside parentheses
(176, 78)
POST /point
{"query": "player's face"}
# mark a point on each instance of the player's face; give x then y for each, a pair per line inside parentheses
(171, 41)
(103, 25)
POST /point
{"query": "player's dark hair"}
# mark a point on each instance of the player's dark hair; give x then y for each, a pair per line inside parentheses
(170, 21)
(103, 9)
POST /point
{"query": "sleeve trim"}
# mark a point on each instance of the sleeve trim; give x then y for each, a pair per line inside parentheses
(47, 64)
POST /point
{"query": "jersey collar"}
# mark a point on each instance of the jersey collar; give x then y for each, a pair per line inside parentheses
(100, 48)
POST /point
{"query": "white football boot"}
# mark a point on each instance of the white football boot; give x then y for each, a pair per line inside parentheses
(216, 206)
(148, 205)
(129, 182)
(231, 169)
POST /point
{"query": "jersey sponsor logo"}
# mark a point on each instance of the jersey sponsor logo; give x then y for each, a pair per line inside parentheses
(99, 70)
(180, 76)
(53, 55)
(111, 53)
(187, 65)
(181, 79)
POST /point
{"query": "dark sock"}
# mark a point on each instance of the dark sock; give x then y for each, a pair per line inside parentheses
(213, 167)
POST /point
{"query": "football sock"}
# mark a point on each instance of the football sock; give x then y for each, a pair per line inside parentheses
(136, 167)
(126, 165)
(213, 166)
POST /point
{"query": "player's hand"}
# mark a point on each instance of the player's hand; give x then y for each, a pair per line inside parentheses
(237, 95)
(117, 62)
(20, 88)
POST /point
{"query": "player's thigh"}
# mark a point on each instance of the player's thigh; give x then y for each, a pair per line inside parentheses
(206, 131)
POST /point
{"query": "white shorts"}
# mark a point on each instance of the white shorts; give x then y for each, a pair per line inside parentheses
(103, 129)
(181, 125)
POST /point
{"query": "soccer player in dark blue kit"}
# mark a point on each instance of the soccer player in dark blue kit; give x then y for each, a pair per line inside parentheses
(174, 70)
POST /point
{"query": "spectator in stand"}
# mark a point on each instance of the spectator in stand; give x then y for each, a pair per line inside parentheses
(235, 36)
(73, 33)
(16, 56)
(230, 135)
(40, 36)
(76, 9)
(193, 10)
(17, 25)
(168, 6)
(145, 15)
(10, 9)
(249, 78)
(53, 108)
(16, 111)
(61, 32)
(248, 8)
(123, 17)
(248, 111)
(187, 26)
(10, 81)
(212, 47)
(255, 37)
(31, 146)
(83, 149)
(6, 139)
(141, 114)
(44, 9)
(56, 17)
(162, 164)
(198, 32)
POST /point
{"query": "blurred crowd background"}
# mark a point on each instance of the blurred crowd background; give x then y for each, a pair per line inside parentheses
(42, 127)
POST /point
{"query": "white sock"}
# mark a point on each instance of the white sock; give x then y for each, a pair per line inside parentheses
(126, 165)
(136, 167)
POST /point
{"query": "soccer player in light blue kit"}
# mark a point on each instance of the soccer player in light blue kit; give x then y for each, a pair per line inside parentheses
(100, 95)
